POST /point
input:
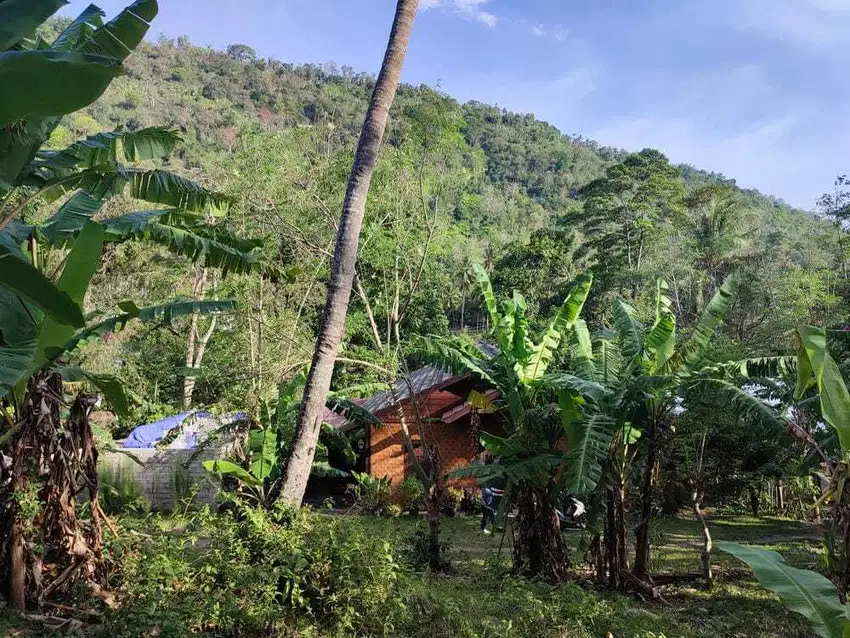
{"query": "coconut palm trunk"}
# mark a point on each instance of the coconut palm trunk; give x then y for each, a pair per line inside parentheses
(345, 256)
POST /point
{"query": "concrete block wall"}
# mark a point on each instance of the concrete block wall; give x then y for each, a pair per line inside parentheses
(155, 470)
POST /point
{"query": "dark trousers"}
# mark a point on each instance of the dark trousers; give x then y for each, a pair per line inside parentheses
(487, 514)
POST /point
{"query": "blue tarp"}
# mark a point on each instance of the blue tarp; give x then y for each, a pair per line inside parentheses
(147, 436)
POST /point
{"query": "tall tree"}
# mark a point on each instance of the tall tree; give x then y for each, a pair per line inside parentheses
(624, 213)
(345, 256)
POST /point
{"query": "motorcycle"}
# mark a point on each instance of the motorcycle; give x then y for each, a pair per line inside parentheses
(572, 515)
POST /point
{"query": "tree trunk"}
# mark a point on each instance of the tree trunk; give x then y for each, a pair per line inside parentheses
(17, 562)
(433, 498)
(50, 552)
(345, 257)
(754, 500)
(370, 315)
(613, 561)
(705, 556)
(196, 346)
(539, 550)
(642, 545)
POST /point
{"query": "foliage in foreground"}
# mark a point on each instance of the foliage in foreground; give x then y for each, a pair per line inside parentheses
(206, 589)
(254, 572)
(801, 590)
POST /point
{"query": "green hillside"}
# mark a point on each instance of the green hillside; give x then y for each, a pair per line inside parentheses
(471, 182)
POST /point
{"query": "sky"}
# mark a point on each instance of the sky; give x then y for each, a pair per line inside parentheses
(754, 89)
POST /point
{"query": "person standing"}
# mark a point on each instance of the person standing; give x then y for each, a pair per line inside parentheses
(488, 509)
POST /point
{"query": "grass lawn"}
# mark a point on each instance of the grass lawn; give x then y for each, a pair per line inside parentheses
(736, 606)
(480, 598)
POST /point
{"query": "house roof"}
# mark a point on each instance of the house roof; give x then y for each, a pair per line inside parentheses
(421, 380)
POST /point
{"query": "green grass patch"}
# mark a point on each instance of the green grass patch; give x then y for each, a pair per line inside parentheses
(478, 598)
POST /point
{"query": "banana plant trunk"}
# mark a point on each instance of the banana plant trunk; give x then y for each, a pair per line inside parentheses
(612, 560)
(642, 545)
(345, 257)
(539, 549)
(46, 554)
(838, 534)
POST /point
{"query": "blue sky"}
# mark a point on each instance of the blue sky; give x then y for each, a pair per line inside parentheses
(755, 89)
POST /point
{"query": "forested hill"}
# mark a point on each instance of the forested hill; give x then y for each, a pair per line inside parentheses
(456, 184)
(211, 96)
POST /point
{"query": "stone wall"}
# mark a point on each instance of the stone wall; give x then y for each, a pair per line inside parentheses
(159, 475)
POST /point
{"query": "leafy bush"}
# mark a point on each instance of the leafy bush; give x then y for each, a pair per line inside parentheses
(412, 492)
(373, 494)
(120, 492)
(393, 510)
(452, 498)
(259, 573)
(474, 503)
(416, 550)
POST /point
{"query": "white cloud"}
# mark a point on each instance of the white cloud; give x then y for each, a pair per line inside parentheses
(554, 31)
(487, 18)
(470, 9)
(815, 25)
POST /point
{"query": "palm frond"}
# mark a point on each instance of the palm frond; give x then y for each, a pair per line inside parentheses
(713, 315)
(588, 448)
(351, 411)
(502, 337)
(164, 312)
(446, 355)
(108, 148)
(565, 318)
(629, 329)
(121, 35)
(521, 343)
(581, 351)
(756, 367)
(189, 236)
(19, 341)
(661, 339)
(584, 387)
(71, 217)
(744, 404)
(154, 186)
(80, 29)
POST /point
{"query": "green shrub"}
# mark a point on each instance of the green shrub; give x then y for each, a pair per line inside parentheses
(120, 492)
(416, 550)
(258, 573)
(452, 498)
(393, 510)
(373, 494)
(412, 492)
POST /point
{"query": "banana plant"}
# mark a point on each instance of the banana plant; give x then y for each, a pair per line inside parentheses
(40, 82)
(646, 373)
(30, 333)
(268, 441)
(52, 79)
(530, 456)
(818, 372)
(801, 590)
